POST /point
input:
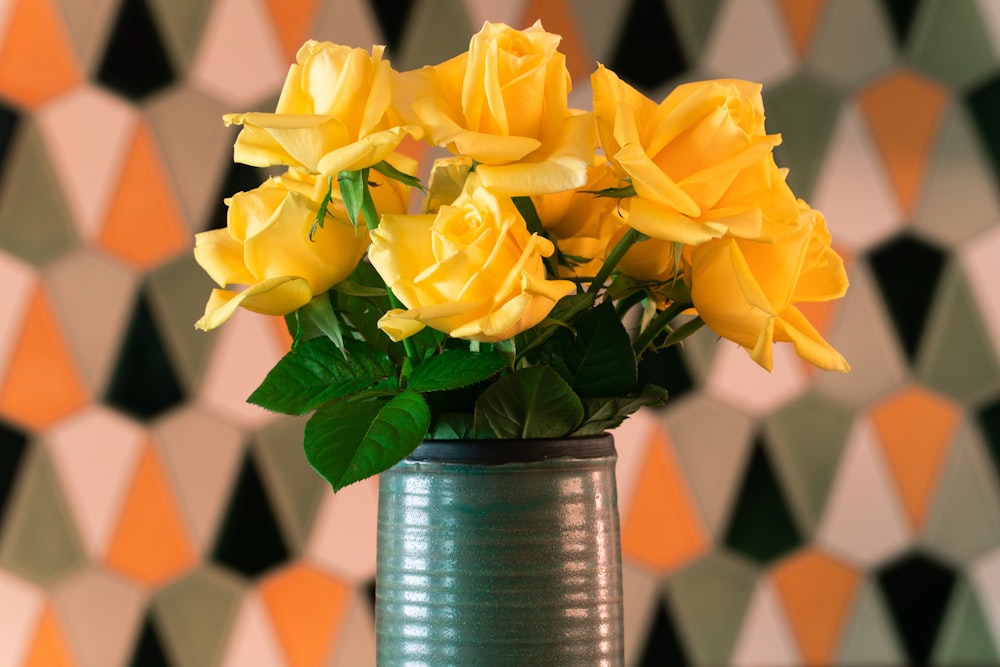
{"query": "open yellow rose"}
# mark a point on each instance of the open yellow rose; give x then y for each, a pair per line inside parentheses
(504, 104)
(266, 248)
(333, 114)
(746, 290)
(472, 270)
(700, 161)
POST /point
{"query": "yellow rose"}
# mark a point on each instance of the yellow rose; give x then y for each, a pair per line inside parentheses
(472, 270)
(446, 182)
(700, 161)
(333, 114)
(582, 224)
(746, 290)
(504, 104)
(266, 247)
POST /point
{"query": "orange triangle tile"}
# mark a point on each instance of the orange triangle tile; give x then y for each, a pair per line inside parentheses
(150, 543)
(144, 224)
(43, 383)
(915, 428)
(306, 608)
(36, 59)
(817, 592)
(801, 17)
(48, 648)
(662, 528)
(904, 112)
(557, 17)
(292, 21)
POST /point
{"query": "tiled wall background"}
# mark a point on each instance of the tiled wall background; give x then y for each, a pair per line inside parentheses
(149, 517)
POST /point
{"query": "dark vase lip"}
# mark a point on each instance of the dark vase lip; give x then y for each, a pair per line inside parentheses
(495, 452)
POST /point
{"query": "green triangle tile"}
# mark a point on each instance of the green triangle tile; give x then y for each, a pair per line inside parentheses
(853, 43)
(956, 356)
(693, 21)
(964, 521)
(180, 24)
(348, 22)
(87, 23)
(713, 444)
(964, 637)
(805, 439)
(709, 599)
(435, 31)
(600, 24)
(178, 291)
(35, 220)
(803, 110)
(949, 41)
(194, 616)
(960, 197)
(699, 352)
(869, 637)
(642, 592)
(196, 148)
(294, 486)
(39, 541)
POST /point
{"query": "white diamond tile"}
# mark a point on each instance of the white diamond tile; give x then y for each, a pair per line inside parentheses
(749, 41)
(980, 258)
(765, 639)
(252, 640)
(351, 511)
(20, 605)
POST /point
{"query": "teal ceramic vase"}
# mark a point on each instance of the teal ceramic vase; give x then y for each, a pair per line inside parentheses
(502, 552)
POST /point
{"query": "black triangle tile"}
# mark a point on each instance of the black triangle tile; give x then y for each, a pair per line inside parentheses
(148, 650)
(135, 62)
(907, 271)
(249, 540)
(984, 107)
(13, 444)
(663, 644)
(392, 16)
(917, 589)
(369, 592)
(761, 525)
(900, 14)
(648, 53)
(8, 126)
(666, 368)
(988, 417)
(143, 382)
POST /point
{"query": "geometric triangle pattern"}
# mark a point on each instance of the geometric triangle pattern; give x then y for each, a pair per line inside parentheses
(148, 516)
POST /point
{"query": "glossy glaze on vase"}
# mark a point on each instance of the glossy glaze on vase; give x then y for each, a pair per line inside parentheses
(500, 553)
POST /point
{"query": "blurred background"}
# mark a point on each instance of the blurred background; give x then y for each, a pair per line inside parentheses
(148, 516)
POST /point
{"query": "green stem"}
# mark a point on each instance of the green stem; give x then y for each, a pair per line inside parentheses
(657, 325)
(629, 302)
(631, 238)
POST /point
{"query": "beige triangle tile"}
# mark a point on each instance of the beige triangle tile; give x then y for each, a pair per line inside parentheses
(252, 641)
(863, 520)
(979, 259)
(245, 349)
(196, 147)
(202, 454)
(990, 12)
(985, 575)
(736, 380)
(355, 643)
(749, 41)
(632, 440)
(240, 61)
(713, 444)
(93, 295)
(853, 189)
(88, 132)
(20, 605)
(89, 24)
(353, 512)
(19, 280)
(765, 637)
(509, 12)
(348, 22)
(101, 615)
(180, 23)
(95, 453)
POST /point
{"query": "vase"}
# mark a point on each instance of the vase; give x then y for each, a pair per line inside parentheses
(500, 552)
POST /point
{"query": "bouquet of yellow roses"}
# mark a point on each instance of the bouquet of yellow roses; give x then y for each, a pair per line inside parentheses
(552, 248)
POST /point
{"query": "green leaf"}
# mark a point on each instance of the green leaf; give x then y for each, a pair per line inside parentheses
(452, 369)
(354, 289)
(565, 309)
(526, 207)
(604, 414)
(390, 171)
(530, 403)
(452, 426)
(350, 440)
(319, 312)
(352, 186)
(316, 372)
(596, 357)
(614, 193)
(321, 211)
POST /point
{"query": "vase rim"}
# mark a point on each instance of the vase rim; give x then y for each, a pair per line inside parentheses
(499, 451)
